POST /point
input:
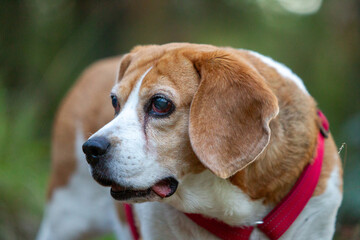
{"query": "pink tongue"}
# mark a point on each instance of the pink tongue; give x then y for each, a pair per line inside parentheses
(162, 188)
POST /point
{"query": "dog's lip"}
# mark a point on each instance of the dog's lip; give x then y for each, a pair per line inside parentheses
(117, 188)
(127, 194)
(163, 188)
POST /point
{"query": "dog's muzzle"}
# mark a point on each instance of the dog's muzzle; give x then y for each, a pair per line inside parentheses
(97, 150)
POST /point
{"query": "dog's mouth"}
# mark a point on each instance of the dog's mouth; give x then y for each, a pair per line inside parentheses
(163, 188)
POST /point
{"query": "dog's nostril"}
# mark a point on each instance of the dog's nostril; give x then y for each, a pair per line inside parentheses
(95, 147)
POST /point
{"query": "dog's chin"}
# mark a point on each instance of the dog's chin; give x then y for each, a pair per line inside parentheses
(164, 188)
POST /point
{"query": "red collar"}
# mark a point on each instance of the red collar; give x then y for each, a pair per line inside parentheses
(281, 217)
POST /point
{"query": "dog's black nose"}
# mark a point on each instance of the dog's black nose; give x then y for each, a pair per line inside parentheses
(94, 148)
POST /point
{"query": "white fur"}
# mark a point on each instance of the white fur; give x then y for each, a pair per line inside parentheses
(81, 208)
(130, 162)
(282, 70)
(317, 220)
(161, 221)
(212, 196)
(202, 193)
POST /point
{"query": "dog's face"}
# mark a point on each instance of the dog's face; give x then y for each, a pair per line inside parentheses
(180, 109)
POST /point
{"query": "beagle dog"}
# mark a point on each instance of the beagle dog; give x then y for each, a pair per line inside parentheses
(205, 142)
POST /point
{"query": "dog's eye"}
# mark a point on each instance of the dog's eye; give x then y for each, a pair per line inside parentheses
(160, 106)
(115, 103)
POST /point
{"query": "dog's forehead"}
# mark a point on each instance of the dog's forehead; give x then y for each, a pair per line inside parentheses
(139, 63)
(168, 74)
(124, 87)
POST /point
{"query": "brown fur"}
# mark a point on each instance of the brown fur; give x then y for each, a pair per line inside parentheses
(230, 113)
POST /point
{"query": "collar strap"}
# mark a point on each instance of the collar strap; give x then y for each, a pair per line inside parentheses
(130, 219)
(275, 224)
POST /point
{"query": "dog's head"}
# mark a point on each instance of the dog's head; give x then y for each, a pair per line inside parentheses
(180, 109)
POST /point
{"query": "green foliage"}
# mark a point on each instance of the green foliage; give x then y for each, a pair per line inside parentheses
(23, 172)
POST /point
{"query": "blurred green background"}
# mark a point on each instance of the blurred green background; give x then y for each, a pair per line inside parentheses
(44, 46)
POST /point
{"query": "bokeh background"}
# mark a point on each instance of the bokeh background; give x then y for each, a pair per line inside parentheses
(44, 46)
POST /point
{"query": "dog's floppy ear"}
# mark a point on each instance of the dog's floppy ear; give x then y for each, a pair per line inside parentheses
(124, 64)
(230, 112)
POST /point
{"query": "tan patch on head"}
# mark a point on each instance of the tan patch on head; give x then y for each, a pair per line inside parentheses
(132, 66)
(126, 85)
(174, 77)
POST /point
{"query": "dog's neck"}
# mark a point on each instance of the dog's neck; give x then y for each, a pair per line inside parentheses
(211, 196)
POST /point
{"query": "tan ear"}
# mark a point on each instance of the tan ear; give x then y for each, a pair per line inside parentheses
(230, 112)
(124, 64)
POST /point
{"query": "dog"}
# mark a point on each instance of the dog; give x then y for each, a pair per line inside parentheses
(206, 142)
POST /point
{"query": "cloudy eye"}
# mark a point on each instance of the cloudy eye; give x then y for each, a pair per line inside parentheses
(115, 103)
(160, 106)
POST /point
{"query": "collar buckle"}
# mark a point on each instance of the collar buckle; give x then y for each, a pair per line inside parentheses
(324, 132)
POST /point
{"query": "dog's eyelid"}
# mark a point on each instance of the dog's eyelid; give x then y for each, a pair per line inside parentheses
(166, 92)
(160, 95)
